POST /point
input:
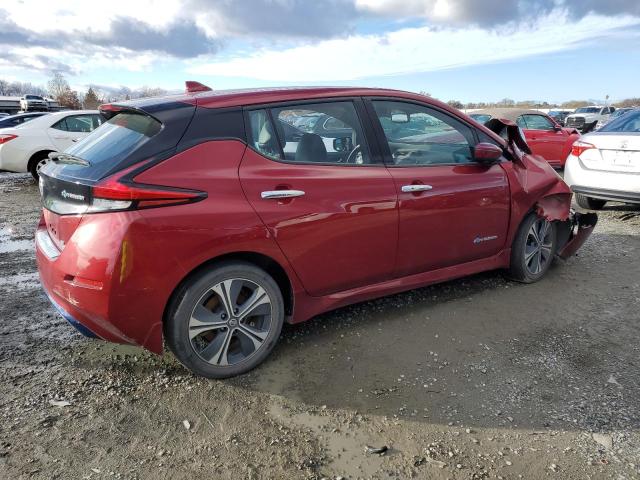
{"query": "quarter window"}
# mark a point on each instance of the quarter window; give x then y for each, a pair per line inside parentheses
(310, 133)
(419, 135)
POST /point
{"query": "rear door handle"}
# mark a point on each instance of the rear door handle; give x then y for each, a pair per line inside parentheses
(271, 194)
(416, 188)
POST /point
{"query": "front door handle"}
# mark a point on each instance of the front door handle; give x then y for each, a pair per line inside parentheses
(271, 194)
(416, 188)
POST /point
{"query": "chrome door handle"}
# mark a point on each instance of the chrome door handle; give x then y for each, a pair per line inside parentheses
(270, 194)
(416, 188)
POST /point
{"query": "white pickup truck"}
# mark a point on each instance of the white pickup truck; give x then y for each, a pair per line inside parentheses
(586, 118)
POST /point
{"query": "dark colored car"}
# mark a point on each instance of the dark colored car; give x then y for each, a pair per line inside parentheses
(543, 134)
(189, 219)
(560, 115)
(15, 120)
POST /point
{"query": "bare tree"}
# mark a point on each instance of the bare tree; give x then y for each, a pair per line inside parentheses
(58, 86)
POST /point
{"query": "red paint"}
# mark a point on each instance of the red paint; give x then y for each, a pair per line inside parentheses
(353, 236)
(553, 145)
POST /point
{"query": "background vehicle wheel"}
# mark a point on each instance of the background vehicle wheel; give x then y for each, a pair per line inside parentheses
(533, 249)
(590, 203)
(225, 321)
(36, 163)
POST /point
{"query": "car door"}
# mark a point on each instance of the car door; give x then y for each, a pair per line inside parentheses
(332, 211)
(452, 209)
(68, 130)
(545, 137)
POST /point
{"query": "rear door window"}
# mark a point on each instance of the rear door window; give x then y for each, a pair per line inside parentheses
(324, 133)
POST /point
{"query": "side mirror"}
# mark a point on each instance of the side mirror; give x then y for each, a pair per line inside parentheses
(557, 127)
(487, 153)
(342, 144)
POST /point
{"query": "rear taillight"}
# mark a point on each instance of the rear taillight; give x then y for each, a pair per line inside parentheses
(118, 192)
(4, 138)
(579, 148)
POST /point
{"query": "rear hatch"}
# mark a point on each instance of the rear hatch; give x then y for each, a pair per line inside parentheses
(96, 175)
(614, 152)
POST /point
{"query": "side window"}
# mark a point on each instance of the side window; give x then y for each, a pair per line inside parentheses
(418, 135)
(538, 122)
(82, 123)
(299, 134)
(61, 125)
(521, 122)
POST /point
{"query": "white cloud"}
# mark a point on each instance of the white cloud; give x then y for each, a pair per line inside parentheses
(412, 50)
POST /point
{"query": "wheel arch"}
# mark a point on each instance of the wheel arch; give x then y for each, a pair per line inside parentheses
(266, 263)
(37, 155)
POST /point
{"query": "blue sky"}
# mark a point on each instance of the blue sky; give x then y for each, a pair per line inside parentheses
(467, 50)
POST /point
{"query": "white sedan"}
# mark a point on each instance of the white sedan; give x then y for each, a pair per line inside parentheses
(26, 147)
(605, 165)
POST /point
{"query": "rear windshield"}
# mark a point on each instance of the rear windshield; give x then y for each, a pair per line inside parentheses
(113, 141)
(629, 123)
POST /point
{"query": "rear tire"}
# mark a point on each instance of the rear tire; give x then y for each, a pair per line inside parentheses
(36, 163)
(590, 203)
(533, 249)
(225, 321)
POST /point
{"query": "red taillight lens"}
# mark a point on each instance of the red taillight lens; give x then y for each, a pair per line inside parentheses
(115, 193)
(4, 138)
(579, 148)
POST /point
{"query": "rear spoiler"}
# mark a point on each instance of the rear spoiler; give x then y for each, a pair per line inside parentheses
(110, 110)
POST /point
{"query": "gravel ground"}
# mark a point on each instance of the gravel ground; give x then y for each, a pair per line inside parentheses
(475, 378)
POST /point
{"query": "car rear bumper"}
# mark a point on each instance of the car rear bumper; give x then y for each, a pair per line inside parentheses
(602, 184)
(603, 194)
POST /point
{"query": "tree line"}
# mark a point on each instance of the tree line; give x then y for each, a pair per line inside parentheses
(58, 89)
(507, 102)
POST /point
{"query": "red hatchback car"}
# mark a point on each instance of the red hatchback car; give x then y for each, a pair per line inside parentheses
(543, 134)
(209, 218)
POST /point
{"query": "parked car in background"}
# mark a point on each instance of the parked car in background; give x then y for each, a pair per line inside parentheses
(188, 218)
(619, 112)
(560, 115)
(30, 103)
(605, 165)
(544, 135)
(20, 118)
(26, 147)
(586, 118)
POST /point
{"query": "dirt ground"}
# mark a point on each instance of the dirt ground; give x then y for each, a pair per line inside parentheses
(476, 378)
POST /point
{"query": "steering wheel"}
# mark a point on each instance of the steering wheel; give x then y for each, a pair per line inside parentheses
(351, 158)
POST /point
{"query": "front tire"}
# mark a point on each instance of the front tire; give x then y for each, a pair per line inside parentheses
(590, 203)
(533, 249)
(225, 321)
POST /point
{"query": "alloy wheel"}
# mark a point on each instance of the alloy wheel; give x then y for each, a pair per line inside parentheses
(538, 249)
(230, 322)
(40, 165)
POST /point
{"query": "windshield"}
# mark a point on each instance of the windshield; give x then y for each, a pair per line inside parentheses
(629, 123)
(587, 110)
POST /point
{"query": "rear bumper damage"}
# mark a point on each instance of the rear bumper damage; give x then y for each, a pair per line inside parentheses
(574, 232)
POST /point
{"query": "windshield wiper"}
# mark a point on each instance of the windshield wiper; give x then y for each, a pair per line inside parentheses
(68, 159)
